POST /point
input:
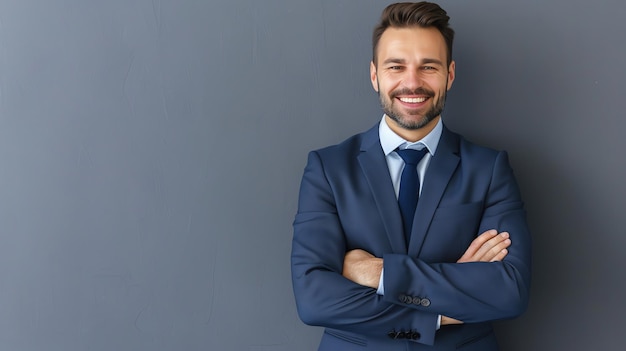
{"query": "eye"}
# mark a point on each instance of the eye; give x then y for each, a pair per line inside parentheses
(428, 68)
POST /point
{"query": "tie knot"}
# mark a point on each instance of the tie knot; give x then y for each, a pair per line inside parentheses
(410, 156)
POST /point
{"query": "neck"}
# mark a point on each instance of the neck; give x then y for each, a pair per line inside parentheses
(412, 135)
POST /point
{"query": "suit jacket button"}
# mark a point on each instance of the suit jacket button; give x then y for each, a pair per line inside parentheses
(417, 301)
(392, 334)
(425, 302)
(402, 335)
(406, 299)
(415, 335)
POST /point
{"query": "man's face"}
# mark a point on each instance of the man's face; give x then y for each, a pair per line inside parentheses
(411, 76)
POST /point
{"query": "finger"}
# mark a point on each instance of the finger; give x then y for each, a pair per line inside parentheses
(484, 237)
(496, 250)
(476, 244)
(500, 256)
(490, 248)
(488, 251)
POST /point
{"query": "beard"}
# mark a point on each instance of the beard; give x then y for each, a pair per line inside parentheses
(403, 120)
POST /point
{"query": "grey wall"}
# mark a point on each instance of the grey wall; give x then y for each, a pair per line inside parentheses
(151, 151)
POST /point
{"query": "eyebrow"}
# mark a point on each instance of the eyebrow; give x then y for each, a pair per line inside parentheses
(432, 60)
(394, 60)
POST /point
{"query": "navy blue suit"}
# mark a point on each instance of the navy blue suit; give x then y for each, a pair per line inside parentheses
(347, 201)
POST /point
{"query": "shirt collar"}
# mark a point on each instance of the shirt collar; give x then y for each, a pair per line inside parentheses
(390, 141)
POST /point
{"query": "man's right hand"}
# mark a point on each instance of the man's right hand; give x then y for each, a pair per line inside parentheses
(489, 246)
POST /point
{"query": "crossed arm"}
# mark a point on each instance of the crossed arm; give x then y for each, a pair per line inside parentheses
(331, 281)
(365, 269)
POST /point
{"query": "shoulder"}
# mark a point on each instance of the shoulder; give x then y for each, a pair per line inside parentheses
(466, 147)
(472, 154)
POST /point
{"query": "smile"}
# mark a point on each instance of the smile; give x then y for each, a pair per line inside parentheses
(412, 100)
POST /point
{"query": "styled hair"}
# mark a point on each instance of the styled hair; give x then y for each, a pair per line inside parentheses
(408, 14)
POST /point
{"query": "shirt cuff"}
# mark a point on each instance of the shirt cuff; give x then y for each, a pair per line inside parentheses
(381, 286)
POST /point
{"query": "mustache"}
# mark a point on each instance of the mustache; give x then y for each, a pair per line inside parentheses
(418, 91)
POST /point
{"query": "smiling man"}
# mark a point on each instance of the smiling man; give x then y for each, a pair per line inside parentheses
(407, 236)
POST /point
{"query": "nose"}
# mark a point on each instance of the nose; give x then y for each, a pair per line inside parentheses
(412, 79)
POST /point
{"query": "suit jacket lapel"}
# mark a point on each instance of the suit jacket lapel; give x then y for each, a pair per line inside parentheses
(374, 166)
(438, 174)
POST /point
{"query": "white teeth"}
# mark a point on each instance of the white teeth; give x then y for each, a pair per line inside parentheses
(413, 100)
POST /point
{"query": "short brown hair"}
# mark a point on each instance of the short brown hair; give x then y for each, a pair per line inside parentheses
(407, 14)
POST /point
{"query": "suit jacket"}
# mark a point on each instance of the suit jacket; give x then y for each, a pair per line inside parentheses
(347, 201)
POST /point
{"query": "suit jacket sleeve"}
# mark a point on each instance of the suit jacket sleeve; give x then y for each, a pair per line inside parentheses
(323, 296)
(477, 291)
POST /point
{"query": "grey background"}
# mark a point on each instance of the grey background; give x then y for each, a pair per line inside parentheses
(151, 152)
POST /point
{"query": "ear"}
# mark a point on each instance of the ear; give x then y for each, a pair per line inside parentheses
(374, 76)
(451, 74)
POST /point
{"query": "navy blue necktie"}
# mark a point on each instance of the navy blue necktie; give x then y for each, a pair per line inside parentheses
(409, 187)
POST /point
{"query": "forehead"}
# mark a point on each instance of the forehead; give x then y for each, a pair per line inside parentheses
(412, 42)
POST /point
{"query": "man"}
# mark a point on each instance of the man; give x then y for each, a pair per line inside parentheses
(379, 274)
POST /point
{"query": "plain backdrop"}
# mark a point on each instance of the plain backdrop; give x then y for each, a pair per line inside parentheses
(151, 153)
